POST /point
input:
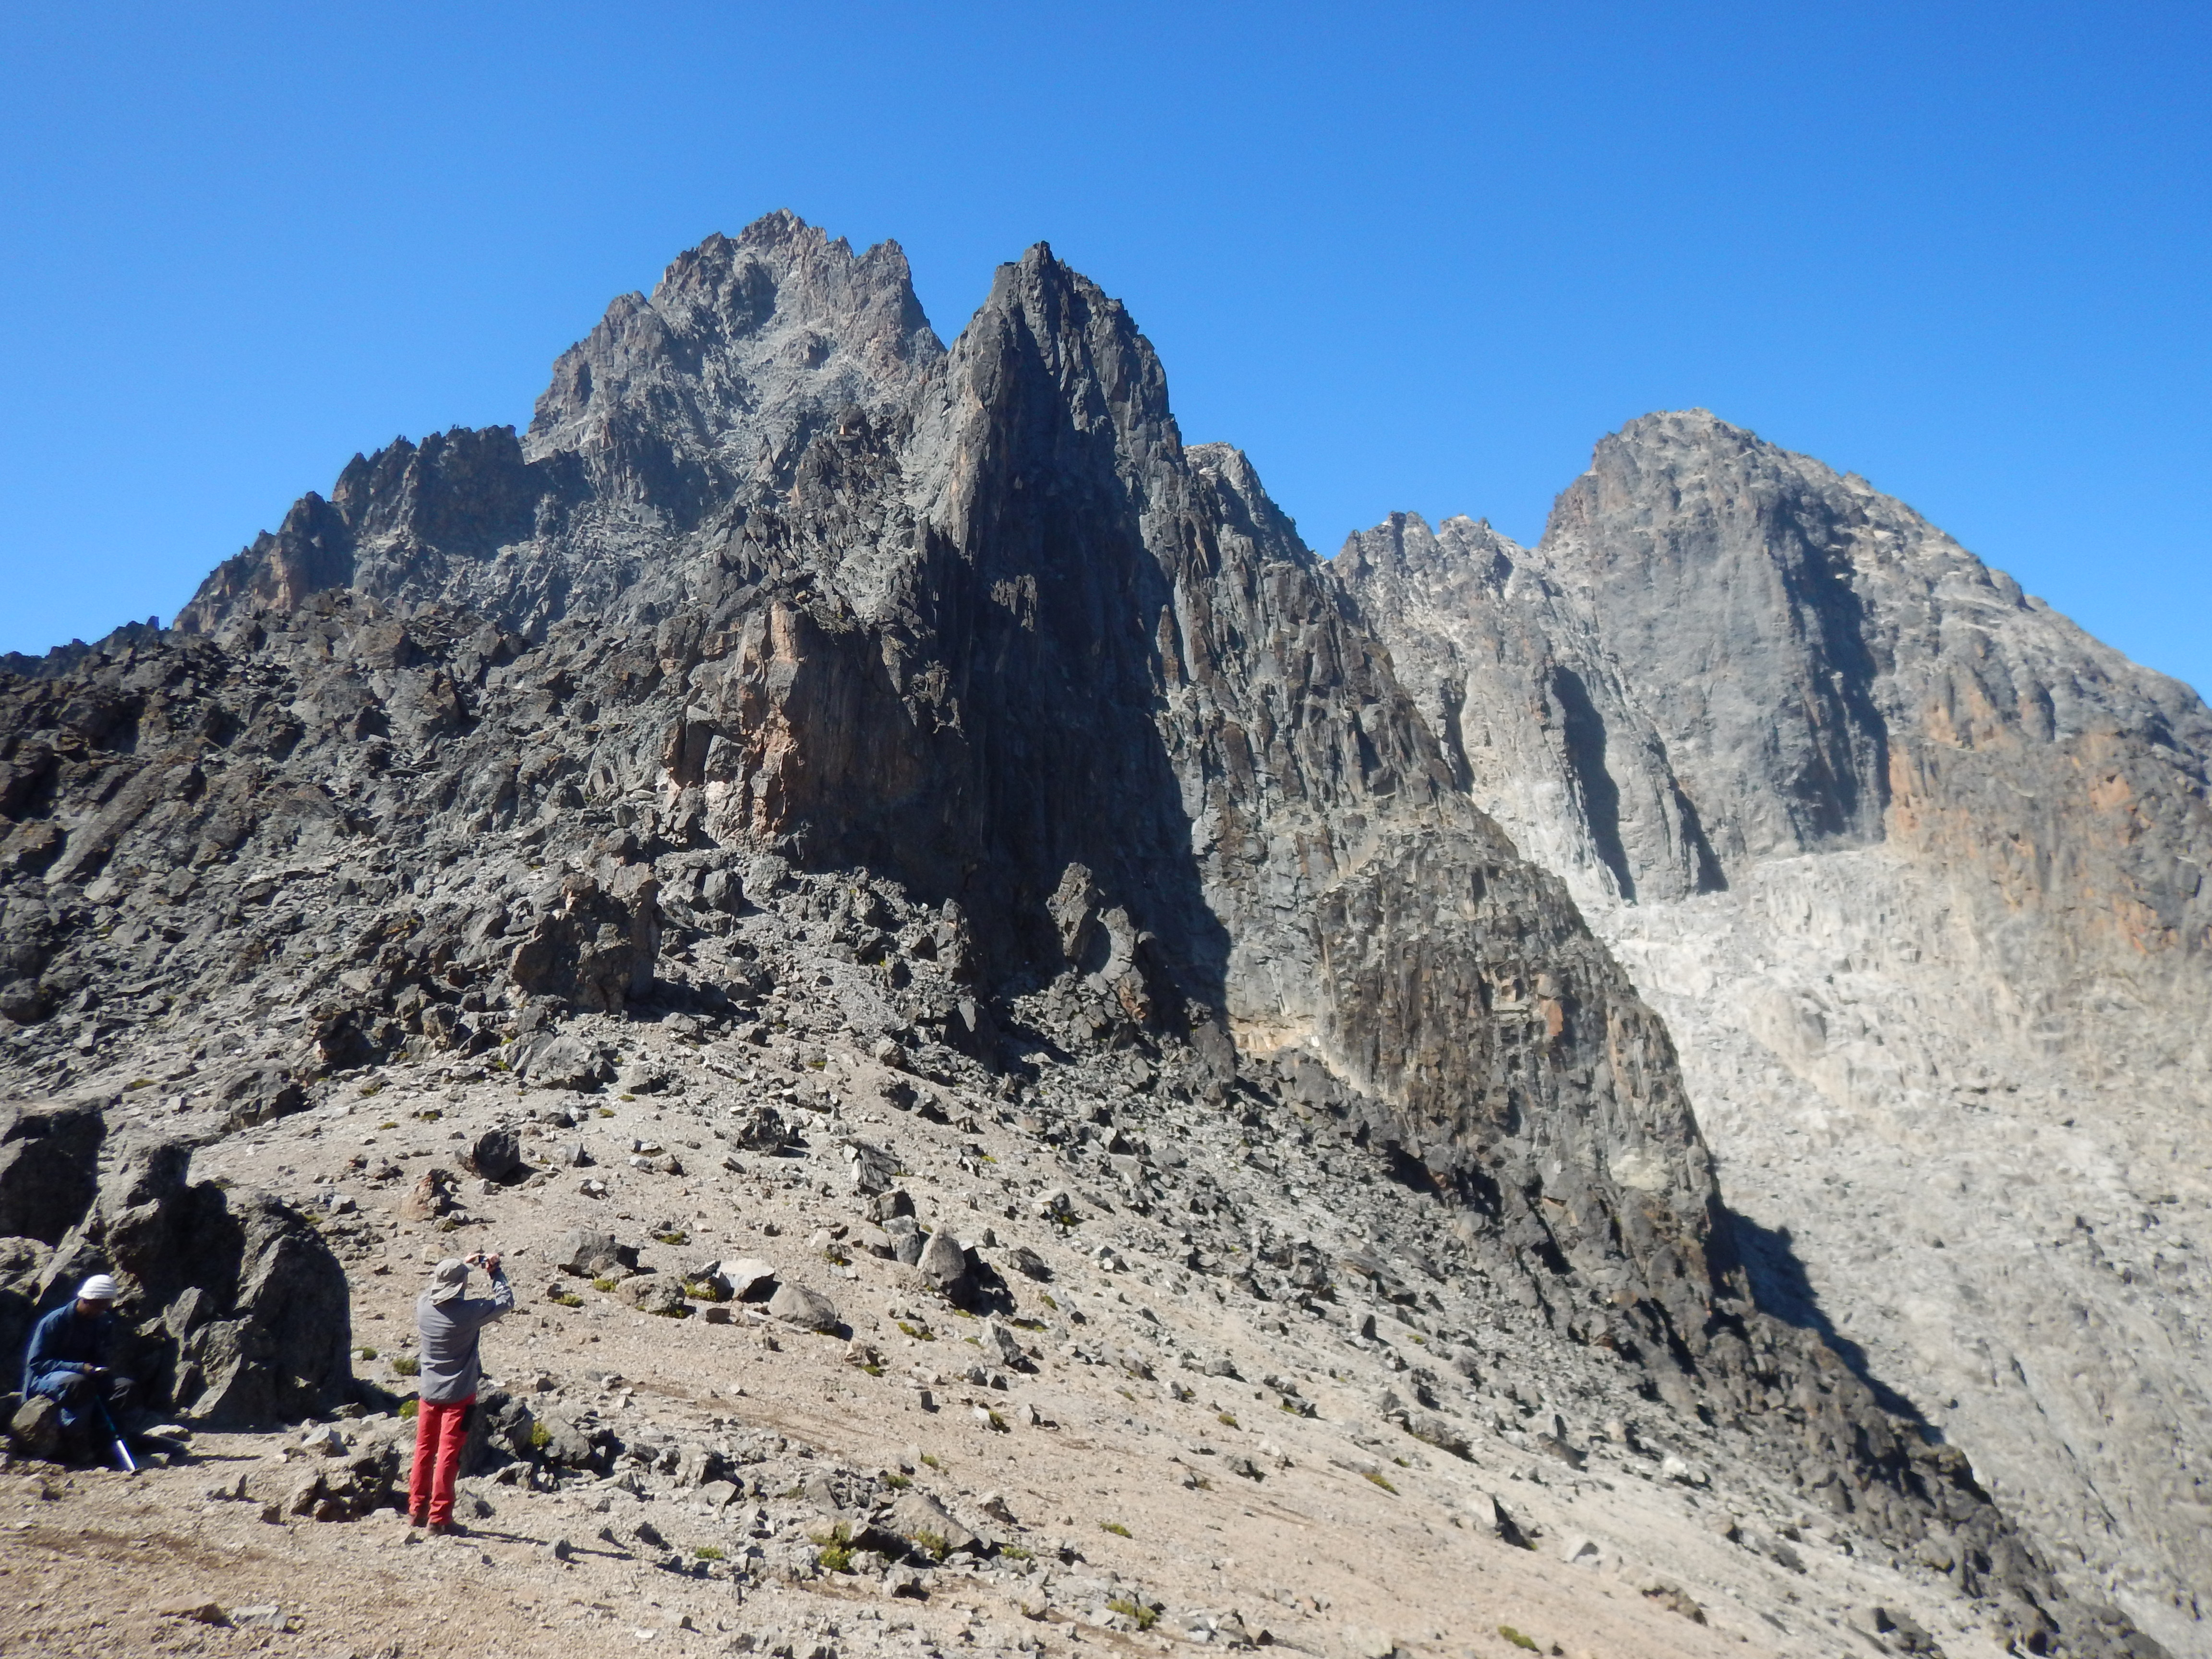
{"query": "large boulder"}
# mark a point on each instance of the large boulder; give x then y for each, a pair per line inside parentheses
(560, 1060)
(285, 1351)
(747, 1278)
(49, 1163)
(430, 1197)
(259, 1094)
(596, 948)
(570, 1445)
(921, 1520)
(758, 1128)
(871, 1171)
(942, 1264)
(35, 1429)
(238, 1312)
(593, 1253)
(497, 1155)
(1002, 1347)
(907, 1239)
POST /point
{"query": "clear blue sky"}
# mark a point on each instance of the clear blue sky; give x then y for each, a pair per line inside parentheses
(1406, 257)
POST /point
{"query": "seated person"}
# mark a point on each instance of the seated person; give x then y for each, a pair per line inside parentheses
(67, 1360)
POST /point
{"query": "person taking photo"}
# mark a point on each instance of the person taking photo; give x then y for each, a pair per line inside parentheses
(450, 1323)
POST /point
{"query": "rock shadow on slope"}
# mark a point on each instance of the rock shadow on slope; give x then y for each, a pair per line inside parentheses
(1783, 1287)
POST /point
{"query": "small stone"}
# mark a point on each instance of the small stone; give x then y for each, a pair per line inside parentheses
(1674, 1469)
(202, 1613)
(748, 1279)
(810, 1310)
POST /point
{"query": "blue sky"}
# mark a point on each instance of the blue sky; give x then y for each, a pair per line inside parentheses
(1406, 257)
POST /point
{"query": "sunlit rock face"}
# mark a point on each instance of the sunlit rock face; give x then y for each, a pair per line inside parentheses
(1913, 868)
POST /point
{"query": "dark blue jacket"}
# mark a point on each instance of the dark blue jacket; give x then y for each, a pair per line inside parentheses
(64, 1341)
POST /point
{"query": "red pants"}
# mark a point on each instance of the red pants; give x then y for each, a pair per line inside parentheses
(440, 1433)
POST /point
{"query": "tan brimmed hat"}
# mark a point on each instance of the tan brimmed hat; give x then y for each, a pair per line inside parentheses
(449, 1278)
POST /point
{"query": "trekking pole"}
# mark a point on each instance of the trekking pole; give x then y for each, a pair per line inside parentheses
(115, 1437)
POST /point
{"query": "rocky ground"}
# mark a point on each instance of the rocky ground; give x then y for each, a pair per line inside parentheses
(1153, 1435)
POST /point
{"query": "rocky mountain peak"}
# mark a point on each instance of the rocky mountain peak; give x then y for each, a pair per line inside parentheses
(678, 408)
(1910, 864)
(1404, 548)
(1050, 377)
(745, 348)
(1719, 569)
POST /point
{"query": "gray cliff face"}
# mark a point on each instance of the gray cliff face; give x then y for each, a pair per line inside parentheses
(1072, 749)
(1912, 867)
(1538, 716)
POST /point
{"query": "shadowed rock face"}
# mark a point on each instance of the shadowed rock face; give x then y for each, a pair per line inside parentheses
(1913, 868)
(775, 585)
(48, 1159)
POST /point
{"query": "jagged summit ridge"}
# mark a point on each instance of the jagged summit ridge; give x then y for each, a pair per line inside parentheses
(676, 407)
(743, 350)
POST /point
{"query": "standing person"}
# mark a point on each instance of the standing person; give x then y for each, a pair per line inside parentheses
(67, 1360)
(450, 1323)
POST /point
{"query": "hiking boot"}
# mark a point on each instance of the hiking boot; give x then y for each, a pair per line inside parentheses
(418, 1519)
(448, 1529)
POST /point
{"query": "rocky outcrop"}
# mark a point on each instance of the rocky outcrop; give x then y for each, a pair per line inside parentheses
(236, 1310)
(595, 948)
(1911, 865)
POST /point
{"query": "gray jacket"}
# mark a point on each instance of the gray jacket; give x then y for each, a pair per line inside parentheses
(451, 1369)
